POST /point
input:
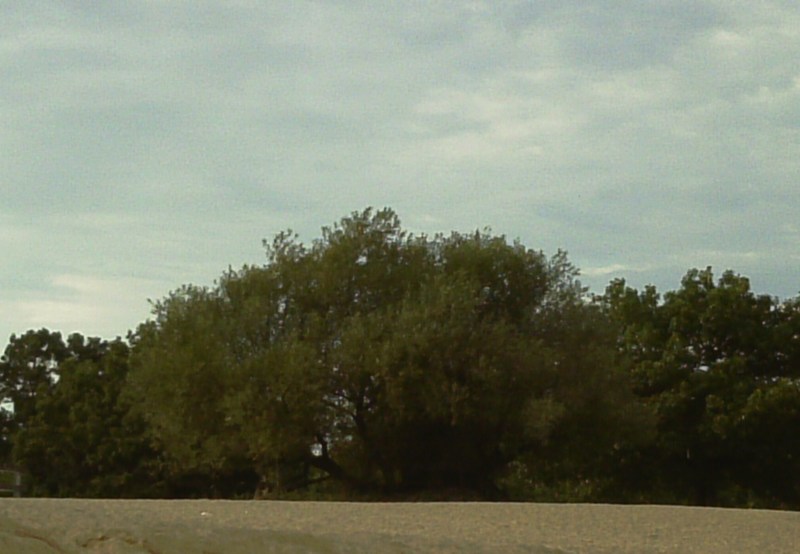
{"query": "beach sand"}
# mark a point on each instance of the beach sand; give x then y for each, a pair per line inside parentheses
(46, 526)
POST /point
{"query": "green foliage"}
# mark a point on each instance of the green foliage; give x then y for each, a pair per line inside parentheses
(80, 439)
(385, 361)
(718, 365)
(28, 367)
(374, 364)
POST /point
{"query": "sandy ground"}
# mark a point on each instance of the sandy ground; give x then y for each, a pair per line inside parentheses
(39, 526)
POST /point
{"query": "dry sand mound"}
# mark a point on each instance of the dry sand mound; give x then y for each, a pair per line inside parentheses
(47, 526)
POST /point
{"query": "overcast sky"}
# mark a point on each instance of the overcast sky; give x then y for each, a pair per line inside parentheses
(148, 144)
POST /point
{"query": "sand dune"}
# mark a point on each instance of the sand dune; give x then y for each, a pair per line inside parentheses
(47, 526)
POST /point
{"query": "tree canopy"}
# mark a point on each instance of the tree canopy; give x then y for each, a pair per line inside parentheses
(386, 361)
(377, 363)
(720, 367)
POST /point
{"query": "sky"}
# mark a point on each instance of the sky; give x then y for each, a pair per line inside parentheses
(150, 144)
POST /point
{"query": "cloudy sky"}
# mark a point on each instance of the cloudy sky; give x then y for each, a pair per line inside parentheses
(147, 144)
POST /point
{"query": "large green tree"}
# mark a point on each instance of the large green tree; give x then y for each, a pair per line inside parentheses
(385, 361)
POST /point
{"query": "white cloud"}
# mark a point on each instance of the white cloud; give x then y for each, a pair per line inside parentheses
(608, 270)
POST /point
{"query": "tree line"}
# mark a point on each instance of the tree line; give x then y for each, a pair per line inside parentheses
(378, 364)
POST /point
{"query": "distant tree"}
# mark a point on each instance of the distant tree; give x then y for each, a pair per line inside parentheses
(718, 365)
(30, 361)
(81, 439)
(6, 435)
(28, 368)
